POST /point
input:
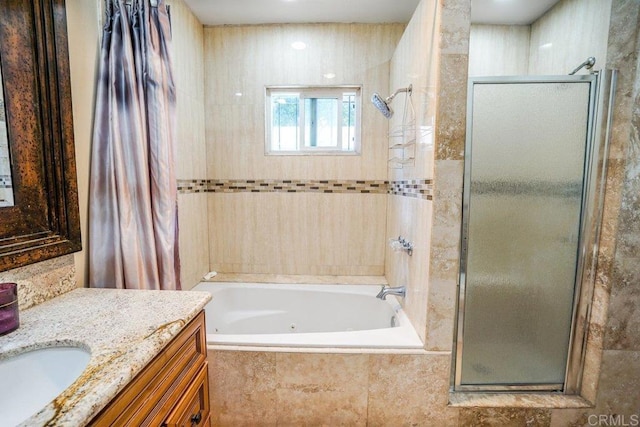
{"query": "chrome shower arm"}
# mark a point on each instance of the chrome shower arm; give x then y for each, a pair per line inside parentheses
(407, 89)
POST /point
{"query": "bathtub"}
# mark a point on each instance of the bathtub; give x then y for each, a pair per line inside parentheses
(285, 315)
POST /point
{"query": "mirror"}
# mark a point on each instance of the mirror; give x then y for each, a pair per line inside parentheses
(6, 187)
(42, 221)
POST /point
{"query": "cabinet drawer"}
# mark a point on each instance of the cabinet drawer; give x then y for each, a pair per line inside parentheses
(193, 408)
(153, 393)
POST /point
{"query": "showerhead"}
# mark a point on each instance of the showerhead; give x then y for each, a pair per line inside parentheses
(381, 105)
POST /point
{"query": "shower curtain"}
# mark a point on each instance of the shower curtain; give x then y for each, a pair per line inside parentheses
(133, 227)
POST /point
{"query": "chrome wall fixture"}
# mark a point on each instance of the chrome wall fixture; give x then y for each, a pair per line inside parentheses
(588, 64)
(401, 244)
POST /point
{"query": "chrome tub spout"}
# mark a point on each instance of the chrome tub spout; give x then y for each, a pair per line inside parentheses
(386, 290)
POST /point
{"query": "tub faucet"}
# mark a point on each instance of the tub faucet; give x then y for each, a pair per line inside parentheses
(386, 290)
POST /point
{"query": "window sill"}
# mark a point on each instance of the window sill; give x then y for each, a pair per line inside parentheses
(312, 153)
(516, 400)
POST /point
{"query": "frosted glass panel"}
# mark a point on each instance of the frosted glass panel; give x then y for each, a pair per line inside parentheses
(527, 154)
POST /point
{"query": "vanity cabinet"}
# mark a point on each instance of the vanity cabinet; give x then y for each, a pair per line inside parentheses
(173, 390)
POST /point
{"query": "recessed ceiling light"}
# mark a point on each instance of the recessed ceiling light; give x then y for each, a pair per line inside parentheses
(546, 46)
(299, 45)
(238, 94)
(329, 75)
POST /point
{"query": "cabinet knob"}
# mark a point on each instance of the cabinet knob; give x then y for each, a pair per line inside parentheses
(195, 419)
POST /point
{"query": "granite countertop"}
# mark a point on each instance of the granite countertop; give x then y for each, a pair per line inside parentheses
(123, 329)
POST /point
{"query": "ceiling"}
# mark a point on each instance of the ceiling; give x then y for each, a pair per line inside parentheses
(220, 12)
(512, 12)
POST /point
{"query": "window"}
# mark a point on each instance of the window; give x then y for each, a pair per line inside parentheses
(312, 120)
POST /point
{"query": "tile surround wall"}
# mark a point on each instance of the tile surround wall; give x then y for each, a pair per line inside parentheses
(256, 56)
(549, 46)
(84, 28)
(558, 45)
(297, 233)
(257, 388)
(274, 231)
(448, 168)
(414, 62)
(188, 68)
(268, 389)
(499, 50)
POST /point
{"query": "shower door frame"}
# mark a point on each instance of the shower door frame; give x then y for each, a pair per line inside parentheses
(601, 90)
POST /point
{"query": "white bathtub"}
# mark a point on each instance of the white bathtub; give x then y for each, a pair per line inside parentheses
(279, 315)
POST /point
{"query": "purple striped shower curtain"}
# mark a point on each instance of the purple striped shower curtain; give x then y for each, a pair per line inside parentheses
(133, 226)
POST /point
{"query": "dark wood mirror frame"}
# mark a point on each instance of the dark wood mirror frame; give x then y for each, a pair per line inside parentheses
(44, 222)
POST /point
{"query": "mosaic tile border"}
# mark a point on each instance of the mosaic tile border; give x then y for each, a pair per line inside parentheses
(418, 188)
(422, 189)
(188, 186)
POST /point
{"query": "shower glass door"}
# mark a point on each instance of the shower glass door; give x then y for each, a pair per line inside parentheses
(525, 171)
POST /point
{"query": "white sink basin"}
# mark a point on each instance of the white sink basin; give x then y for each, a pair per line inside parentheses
(29, 381)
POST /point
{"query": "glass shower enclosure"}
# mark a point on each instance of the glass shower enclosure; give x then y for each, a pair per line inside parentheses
(532, 164)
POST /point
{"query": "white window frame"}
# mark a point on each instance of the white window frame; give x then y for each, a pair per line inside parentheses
(306, 92)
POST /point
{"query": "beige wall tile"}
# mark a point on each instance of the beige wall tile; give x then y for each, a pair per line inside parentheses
(617, 394)
(297, 233)
(441, 313)
(84, 32)
(419, 70)
(322, 389)
(499, 50)
(410, 218)
(191, 162)
(188, 72)
(194, 244)
(299, 279)
(445, 254)
(624, 318)
(622, 54)
(242, 387)
(455, 19)
(294, 233)
(259, 55)
(409, 390)
(451, 108)
(569, 418)
(619, 381)
(414, 62)
(558, 45)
